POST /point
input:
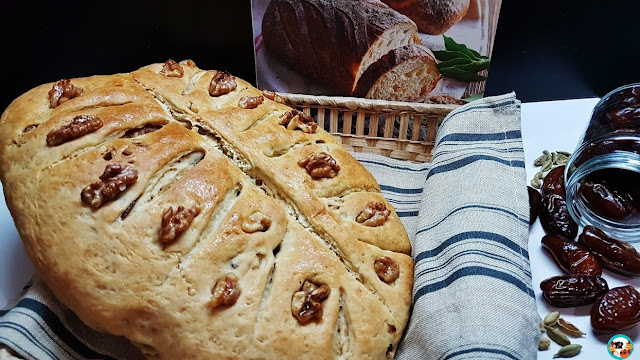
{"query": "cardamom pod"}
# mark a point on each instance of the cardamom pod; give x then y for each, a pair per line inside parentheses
(560, 338)
(554, 157)
(542, 326)
(565, 153)
(551, 318)
(547, 165)
(544, 343)
(568, 351)
(536, 183)
(540, 160)
(569, 329)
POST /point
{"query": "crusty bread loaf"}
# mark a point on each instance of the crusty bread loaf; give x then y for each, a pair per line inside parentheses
(187, 211)
(334, 41)
(407, 73)
(432, 16)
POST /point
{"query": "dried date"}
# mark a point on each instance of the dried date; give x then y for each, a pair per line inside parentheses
(573, 290)
(572, 257)
(553, 182)
(555, 218)
(619, 309)
(535, 203)
(606, 201)
(615, 255)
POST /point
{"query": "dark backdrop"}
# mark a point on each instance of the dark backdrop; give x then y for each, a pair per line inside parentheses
(544, 50)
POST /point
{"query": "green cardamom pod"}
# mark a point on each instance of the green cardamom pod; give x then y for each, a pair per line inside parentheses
(569, 329)
(560, 338)
(551, 318)
(565, 153)
(542, 326)
(547, 165)
(540, 160)
(544, 343)
(568, 351)
(536, 183)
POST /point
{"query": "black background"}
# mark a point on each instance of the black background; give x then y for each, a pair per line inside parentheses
(544, 50)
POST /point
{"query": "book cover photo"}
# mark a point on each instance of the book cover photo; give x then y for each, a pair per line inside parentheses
(433, 51)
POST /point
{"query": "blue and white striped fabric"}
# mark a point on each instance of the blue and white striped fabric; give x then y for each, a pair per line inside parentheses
(467, 216)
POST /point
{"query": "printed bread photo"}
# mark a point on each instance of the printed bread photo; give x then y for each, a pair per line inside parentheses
(196, 216)
(337, 41)
(432, 16)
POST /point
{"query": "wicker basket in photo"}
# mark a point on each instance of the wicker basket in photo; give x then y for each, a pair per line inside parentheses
(399, 130)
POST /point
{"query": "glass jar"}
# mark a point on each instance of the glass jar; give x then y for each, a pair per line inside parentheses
(603, 174)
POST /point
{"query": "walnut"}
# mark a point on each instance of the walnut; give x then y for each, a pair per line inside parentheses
(374, 214)
(320, 166)
(256, 222)
(188, 62)
(222, 83)
(79, 126)
(226, 292)
(387, 269)
(306, 303)
(63, 91)
(147, 128)
(297, 119)
(272, 95)
(444, 99)
(171, 69)
(176, 222)
(250, 102)
(114, 180)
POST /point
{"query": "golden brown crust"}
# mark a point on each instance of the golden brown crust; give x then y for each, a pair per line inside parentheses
(432, 16)
(260, 219)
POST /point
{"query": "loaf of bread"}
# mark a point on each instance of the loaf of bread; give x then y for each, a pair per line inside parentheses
(192, 214)
(432, 16)
(334, 41)
(406, 73)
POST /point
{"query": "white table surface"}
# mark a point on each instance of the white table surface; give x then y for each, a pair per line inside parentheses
(555, 125)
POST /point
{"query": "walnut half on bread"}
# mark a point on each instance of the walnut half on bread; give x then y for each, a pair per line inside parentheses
(185, 223)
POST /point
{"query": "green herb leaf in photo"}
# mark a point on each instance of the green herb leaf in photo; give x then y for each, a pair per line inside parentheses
(459, 62)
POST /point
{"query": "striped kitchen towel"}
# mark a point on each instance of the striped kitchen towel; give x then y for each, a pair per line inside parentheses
(467, 216)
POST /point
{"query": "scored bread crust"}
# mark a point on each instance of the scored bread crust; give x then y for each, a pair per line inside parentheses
(433, 17)
(407, 73)
(334, 41)
(108, 266)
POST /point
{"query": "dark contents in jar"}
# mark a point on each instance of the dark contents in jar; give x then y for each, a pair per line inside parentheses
(613, 194)
(619, 114)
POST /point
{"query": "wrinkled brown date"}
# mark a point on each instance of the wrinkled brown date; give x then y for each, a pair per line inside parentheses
(617, 310)
(615, 255)
(535, 203)
(572, 257)
(555, 218)
(573, 290)
(606, 201)
(553, 182)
